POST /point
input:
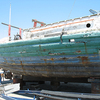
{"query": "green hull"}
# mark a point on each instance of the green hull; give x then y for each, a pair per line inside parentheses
(55, 56)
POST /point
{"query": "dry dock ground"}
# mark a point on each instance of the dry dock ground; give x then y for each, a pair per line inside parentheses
(69, 87)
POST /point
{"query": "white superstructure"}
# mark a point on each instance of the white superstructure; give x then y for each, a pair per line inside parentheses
(72, 26)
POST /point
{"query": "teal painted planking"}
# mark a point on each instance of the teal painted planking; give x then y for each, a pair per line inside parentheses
(42, 48)
(49, 46)
(54, 50)
(60, 51)
(36, 47)
(30, 42)
(50, 40)
(53, 45)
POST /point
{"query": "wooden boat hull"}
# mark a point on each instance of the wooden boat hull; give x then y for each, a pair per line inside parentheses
(74, 69)
(51, 57)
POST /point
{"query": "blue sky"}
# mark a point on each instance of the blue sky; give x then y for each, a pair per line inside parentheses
(48, 11)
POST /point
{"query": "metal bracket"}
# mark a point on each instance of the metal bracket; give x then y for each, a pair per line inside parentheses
(61, 35)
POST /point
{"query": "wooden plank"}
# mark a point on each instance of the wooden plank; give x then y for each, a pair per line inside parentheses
(11, 26)
(9, 88)
(52, 97)
(20, 96)
(3, 97)
(33, 20)
(72, 95)
(12, 88)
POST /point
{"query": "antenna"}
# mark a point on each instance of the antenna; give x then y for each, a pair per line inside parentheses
(94, 11)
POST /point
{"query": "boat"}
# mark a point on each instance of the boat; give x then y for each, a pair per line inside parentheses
(65, 49)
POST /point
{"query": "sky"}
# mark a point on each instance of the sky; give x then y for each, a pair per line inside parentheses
(47, 11)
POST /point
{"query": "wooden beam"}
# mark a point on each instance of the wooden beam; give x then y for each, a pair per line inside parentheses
(11, 26)
(72, 95)
(34, 20)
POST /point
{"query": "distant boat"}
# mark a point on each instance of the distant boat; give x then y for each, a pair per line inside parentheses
(65, 49)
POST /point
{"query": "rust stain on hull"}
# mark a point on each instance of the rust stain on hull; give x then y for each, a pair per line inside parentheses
(83, 59)
(22, 66)
(79, 51)
(51, 59)
(44, 50)
(85, 47)
(64, 58)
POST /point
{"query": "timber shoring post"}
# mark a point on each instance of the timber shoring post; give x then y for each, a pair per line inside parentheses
(95, 84)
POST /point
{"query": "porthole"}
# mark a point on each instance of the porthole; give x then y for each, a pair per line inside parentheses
(88, 25)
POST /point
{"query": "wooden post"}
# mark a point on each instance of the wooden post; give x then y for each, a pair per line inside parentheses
(9, 30)
(95, 85)
(35, 23)
(20, 32)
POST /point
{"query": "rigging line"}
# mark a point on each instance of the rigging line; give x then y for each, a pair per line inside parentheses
(71, 9)
(10, 15)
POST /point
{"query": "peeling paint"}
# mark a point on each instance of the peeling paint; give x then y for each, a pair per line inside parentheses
(64, 58)
(22, 66)
(79, 51)
(44, 50)
(56, 53)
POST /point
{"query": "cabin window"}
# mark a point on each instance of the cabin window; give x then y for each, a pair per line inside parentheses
(88, 25)
(71, 40)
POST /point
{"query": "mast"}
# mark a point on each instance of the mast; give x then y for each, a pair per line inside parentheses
(9, 26)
